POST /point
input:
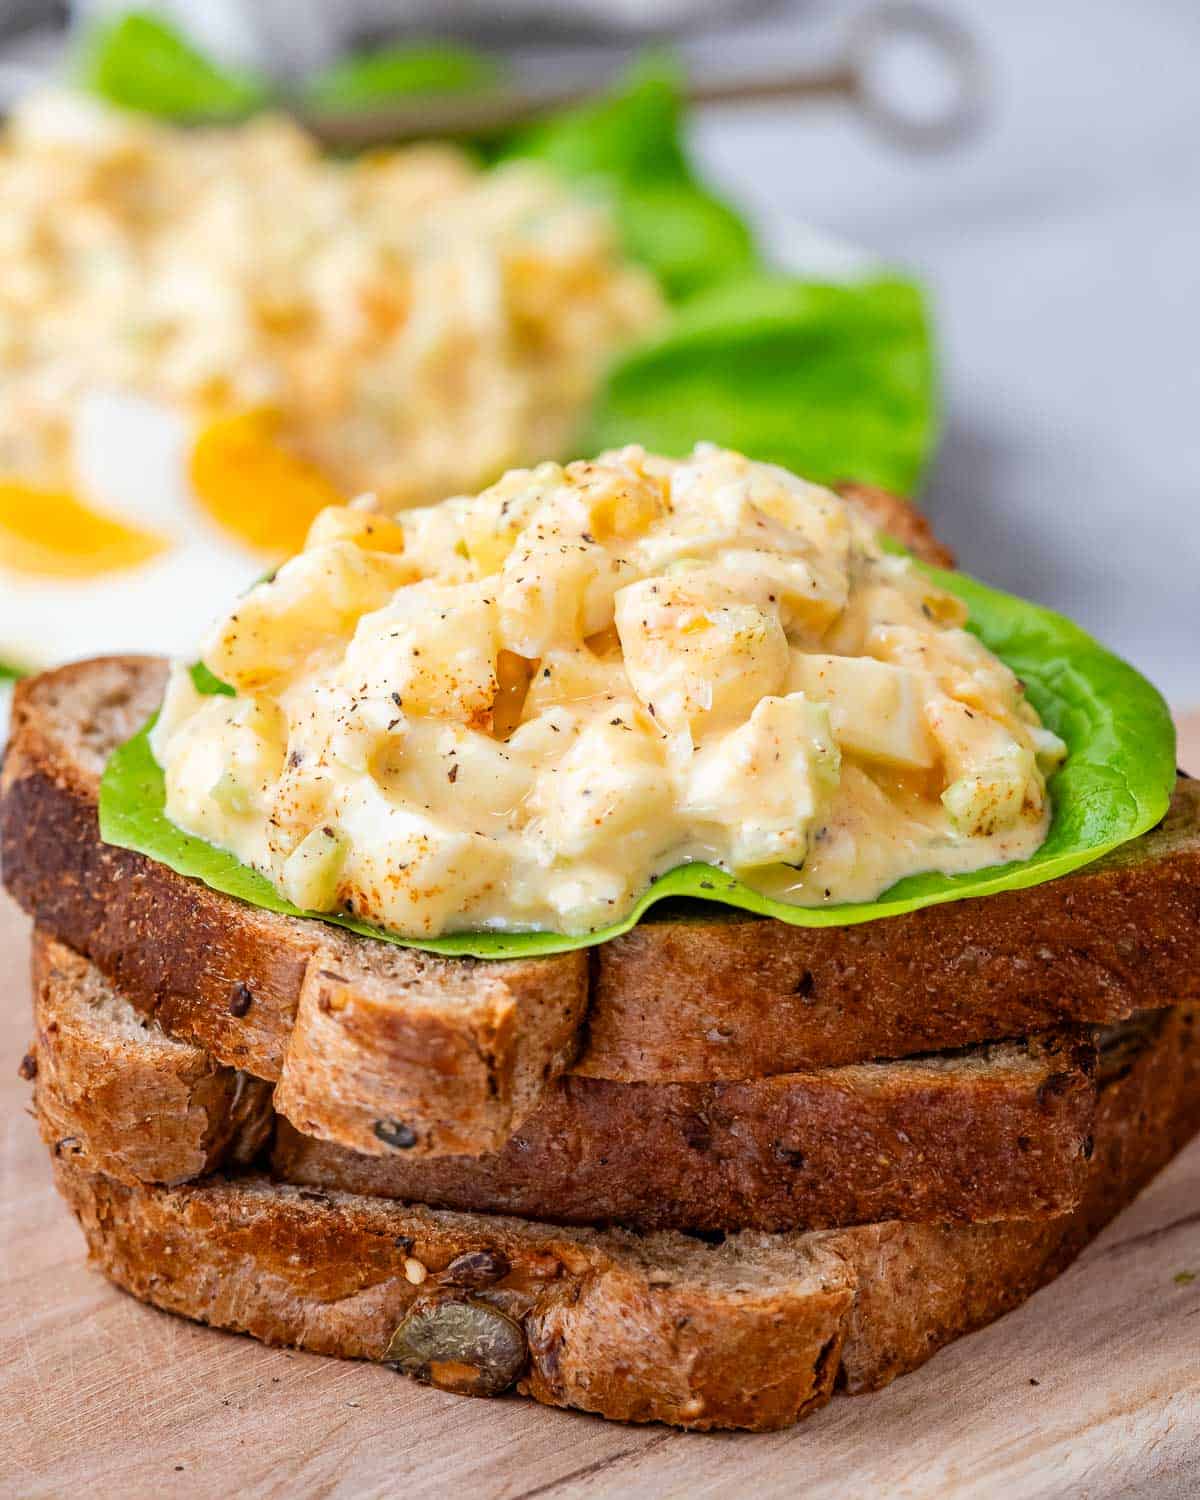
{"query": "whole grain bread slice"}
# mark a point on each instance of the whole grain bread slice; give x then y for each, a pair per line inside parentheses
(116, 1094)
(996, 1133)
(1001, 1131)
(753, 1332)
(749, 996)
(661, 1328)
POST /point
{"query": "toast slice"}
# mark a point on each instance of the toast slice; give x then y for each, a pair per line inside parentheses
(752, 1332)
(662, 1328)
(114, 1090)
(461, 1051)
(999, 1133)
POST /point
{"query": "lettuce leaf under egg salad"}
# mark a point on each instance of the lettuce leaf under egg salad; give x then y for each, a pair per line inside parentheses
(833, 379)
(1115, 783)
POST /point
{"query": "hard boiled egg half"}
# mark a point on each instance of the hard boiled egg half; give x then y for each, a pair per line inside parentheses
(166, 518)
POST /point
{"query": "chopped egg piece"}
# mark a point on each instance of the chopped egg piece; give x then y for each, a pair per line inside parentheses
(876, 709)
(698, 663)
(764, 783)
(431, 650)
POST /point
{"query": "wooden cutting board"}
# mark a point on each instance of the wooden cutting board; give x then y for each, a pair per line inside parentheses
(1091, 1390)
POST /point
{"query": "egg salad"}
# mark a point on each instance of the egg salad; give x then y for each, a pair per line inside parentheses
(513, 711)
(209, 336)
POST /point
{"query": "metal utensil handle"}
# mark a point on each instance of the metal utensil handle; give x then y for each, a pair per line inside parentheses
(853, 77)
(874, 33)
(882, 27)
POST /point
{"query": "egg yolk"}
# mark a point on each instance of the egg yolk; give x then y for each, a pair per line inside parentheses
(51, 533)
(253, 487)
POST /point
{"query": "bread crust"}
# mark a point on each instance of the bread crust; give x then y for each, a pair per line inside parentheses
(748, 996)
(1148, 1109)
(629, 1328)
(1001, 1132)
(115, 1094)
(378, 1052)
(900, 519)
(753, 1333)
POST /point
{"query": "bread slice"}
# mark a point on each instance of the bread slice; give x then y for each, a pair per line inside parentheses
(1002, 1132)
(460, 1051)
(748, 996)
(997, 1132)
(752, 1332)
(114, 1092)
(663, 1328)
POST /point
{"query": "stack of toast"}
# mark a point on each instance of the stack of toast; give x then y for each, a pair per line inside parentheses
(707, 1173)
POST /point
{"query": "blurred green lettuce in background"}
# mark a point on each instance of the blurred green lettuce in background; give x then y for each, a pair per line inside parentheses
(370, 78)
(834, 382)
(138, 61)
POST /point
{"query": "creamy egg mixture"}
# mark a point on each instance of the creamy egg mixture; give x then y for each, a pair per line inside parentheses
(515, 710)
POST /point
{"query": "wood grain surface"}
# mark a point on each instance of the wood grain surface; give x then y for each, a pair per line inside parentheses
(1091, 1390)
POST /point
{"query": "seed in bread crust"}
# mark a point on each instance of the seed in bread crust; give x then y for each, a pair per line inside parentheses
(476, 1268)
(395, 1133)
(463, 1346)
(241, 999)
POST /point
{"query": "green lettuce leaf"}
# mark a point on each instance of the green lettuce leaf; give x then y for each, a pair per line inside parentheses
(139, 61)
(207, 682)
(1116, 783)
(370, 78)
(9, 673)
(833, 382)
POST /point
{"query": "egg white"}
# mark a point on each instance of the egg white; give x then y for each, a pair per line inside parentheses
(131, 461)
